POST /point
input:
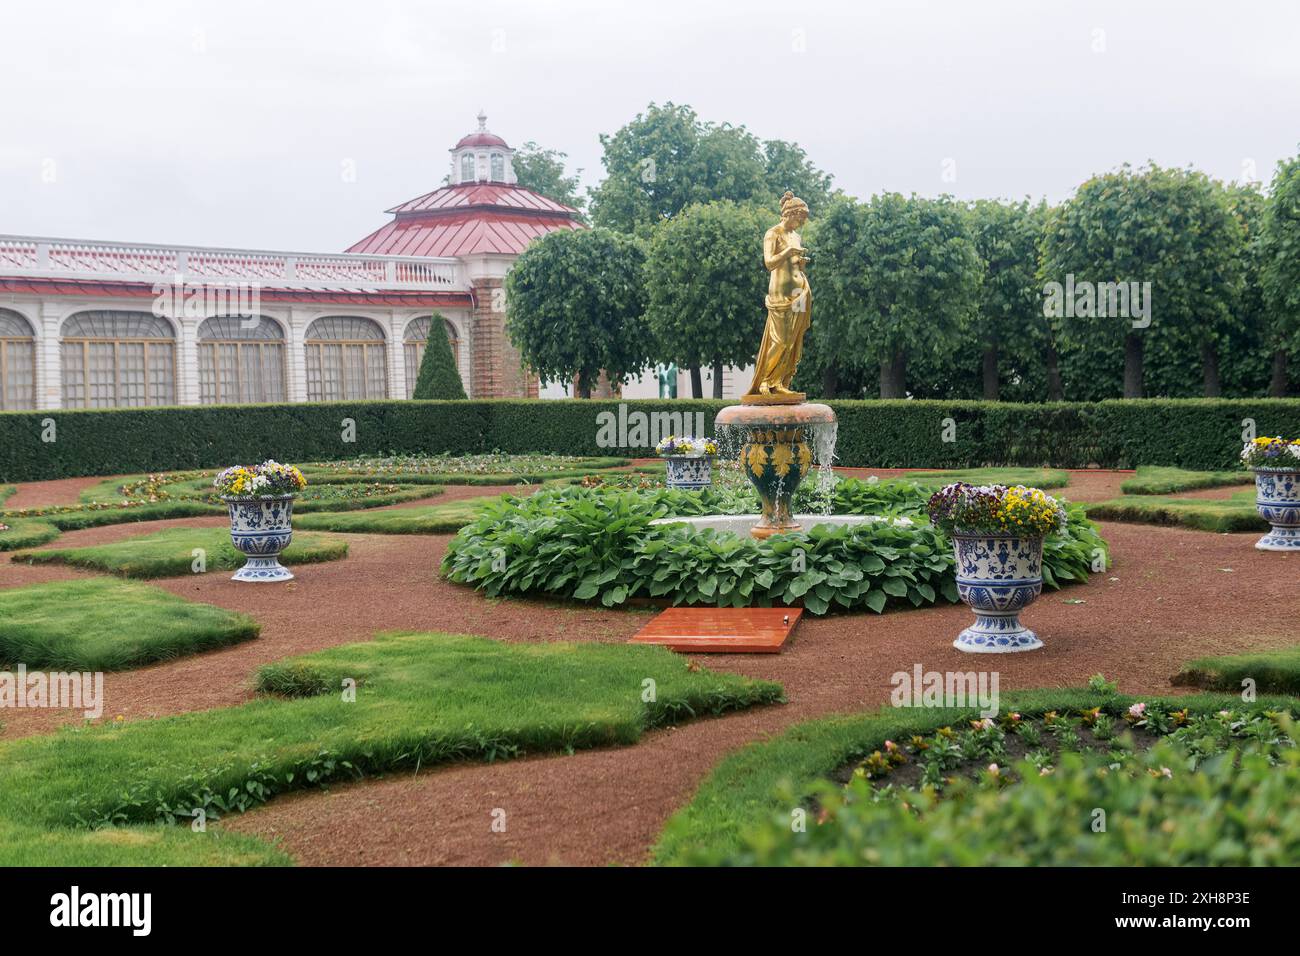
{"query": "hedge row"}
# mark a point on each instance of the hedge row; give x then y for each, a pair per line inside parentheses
(1202, 434)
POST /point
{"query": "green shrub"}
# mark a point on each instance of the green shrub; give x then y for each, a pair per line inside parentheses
(586, 543)
(438, 377)
(1202, 434)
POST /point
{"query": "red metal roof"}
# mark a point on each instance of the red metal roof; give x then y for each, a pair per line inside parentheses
(467, 195)
(469, 219)
(481, 138)
(137, 290)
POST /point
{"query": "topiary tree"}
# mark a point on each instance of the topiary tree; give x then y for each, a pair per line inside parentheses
(1145, 260)
(438, 377)
(705, 284)
(1009, 328)
(575, 303)
(1280, 271)
(895, 276)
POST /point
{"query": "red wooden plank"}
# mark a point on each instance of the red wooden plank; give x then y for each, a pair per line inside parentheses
(721, 630)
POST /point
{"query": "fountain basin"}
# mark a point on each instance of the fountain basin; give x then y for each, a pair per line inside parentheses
(741, 524)
(778, 450)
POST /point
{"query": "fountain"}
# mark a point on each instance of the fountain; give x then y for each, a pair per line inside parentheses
(779, 430)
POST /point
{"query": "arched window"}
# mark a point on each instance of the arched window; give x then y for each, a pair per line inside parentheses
(414, 340)
(241, 360)
(118, 359)
(467, 167)
(498, 168)
(17, 362)
(345, 359)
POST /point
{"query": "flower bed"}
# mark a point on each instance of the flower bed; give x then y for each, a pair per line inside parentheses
(1020, 789)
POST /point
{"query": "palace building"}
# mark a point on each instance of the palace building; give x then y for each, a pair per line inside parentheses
(90, 324)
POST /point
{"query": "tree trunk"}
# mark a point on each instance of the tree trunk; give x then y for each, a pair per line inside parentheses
(1055, 390)
(697, 382)
(1210, 363)
(893, 375)
(1132, 365)
(583, 385)
(830, 379)
(1277, 385)
(991, 372)
(717, 379)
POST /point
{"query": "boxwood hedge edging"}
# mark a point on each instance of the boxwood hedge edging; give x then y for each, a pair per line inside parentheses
(1201, 434)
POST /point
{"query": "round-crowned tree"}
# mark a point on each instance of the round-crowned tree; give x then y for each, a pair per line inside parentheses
(1144, 261)
(438, 377)
(1280, 271)
(705, 284)
(895, 276)
(575, 303)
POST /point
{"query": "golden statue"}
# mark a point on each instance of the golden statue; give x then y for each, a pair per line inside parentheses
(789, 309)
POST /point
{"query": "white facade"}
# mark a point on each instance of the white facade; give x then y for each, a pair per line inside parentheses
(123, 361)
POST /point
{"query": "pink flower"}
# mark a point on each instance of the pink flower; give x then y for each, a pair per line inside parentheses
(890, 746)
(1137, 710)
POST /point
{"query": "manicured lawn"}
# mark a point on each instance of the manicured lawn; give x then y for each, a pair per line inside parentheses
(764, 781)
(105, 624)
(1158, 480)
(1033, 477)
(24, 533)
(323, 493)
(419, 519)
(1274, 672)
(420, 700)
(1224, 515)
(77, 517)
(171, 552)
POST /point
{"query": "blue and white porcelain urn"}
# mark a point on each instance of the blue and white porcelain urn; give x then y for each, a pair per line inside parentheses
(690, 472)
(261, 528)
(1277, 499)
(998, 576)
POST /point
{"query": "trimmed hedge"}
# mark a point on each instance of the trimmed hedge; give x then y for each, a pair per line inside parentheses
(1200, 434)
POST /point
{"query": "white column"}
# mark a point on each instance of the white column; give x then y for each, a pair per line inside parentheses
(187, 371)
(49, 357)
(396, 355)
(297, 354)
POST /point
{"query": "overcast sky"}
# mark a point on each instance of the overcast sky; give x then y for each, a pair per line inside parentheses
(282, 124)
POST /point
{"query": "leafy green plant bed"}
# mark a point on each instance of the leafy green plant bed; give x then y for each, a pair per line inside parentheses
(940, 786)
(1272, 672)
(18, 533)
(1224, 515)
(599, 543)
(171, 552)
(1156, 480)
(494, 701)
(419, 519)
(104, 624)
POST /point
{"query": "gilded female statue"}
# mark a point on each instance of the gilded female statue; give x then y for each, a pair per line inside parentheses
(789, 308)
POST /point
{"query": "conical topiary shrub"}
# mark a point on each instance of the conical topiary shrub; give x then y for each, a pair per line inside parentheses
(439, 378)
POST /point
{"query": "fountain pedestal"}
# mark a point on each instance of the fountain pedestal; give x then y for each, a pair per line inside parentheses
(775, 454)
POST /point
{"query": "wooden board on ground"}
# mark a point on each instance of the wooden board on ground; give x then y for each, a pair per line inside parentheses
(721, 630)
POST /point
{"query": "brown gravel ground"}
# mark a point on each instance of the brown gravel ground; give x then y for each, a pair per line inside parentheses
(1172, 594)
